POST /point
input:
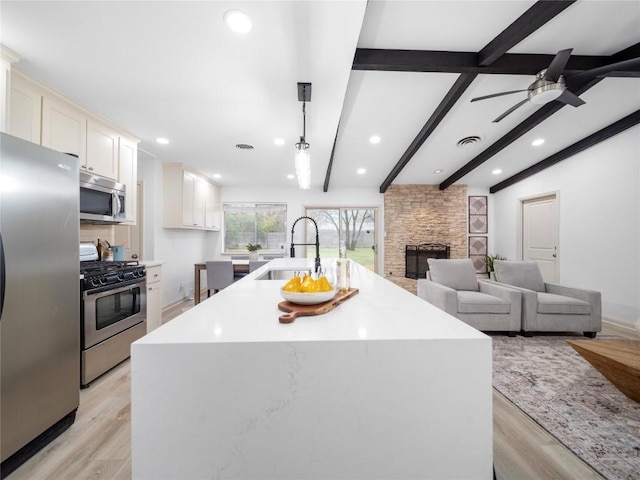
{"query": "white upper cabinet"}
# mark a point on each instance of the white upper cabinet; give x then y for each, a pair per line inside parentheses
(64, 129)
(213, 208)
(102, 150)
(193, 200)
(188, 199)
(127, 170)
(25, 110)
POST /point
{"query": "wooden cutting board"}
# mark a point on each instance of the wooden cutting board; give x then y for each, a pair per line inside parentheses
(295, 310)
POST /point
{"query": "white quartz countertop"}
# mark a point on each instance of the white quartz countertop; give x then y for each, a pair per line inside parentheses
(151, 263)
(247, 311)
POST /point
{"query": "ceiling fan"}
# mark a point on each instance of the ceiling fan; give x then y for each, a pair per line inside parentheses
(550, 85)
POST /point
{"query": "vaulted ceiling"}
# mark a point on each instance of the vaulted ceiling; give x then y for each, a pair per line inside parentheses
(403, 71)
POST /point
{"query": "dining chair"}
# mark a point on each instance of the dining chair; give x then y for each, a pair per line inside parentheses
(219, 275)
(255, 264)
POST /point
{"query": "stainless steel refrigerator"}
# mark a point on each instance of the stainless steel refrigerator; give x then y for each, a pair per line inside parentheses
(40, 296)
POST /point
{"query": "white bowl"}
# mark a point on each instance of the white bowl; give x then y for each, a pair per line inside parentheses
(308, 298)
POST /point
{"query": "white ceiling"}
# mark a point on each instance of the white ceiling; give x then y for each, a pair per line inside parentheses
(173, 69)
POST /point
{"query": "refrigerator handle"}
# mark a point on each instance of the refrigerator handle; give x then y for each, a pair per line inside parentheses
(2, 276)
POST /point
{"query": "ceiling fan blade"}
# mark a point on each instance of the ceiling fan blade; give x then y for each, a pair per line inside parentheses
(594, 72)
(570, 99)
(512, 109)
(555, 68)
(497, 95)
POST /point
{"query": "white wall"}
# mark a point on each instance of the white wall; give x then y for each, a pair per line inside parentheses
(599, 216)
(181, 249)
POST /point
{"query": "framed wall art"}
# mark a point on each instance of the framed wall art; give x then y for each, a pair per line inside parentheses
(478, 221)
(478, 253)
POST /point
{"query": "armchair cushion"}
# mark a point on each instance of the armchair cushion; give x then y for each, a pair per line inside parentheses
(551, 303)
(458, 274)
(523, 274)
(477, 302)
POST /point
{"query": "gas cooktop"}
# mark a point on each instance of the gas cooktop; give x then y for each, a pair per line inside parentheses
(97, 266)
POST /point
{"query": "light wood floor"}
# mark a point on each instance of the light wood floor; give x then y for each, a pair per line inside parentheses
(98, 446)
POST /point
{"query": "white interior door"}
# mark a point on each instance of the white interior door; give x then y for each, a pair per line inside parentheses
(540, 235)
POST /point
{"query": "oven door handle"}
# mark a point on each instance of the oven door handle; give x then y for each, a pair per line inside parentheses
(111, 289)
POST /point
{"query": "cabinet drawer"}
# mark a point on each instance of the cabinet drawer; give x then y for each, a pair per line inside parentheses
(154, 274)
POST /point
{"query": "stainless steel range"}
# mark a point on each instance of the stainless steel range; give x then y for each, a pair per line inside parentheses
(113, 311)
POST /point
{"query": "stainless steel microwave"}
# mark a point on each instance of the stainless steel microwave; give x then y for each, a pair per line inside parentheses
(102, 200)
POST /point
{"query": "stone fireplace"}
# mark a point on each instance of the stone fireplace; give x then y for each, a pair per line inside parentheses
(419, 214)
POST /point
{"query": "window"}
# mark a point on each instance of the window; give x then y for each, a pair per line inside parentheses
(257, 223)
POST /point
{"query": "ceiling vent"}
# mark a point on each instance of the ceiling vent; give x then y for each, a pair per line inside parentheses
(244, 146)
(467, 142)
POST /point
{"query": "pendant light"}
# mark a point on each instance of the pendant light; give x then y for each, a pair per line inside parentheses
(303, 158)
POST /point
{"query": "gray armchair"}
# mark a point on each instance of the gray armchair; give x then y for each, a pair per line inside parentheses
(452, 286)
(548, 307)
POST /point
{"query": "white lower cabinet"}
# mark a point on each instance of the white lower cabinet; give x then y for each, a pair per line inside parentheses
(154, 297)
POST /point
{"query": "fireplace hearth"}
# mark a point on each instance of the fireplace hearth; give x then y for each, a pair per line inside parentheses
(415, 257)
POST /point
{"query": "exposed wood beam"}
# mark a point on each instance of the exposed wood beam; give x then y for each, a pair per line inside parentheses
(327, 175)
(587, 142)
(538, 117)
(452, 96)
(467, 62)
(530, 21)
(493, 53)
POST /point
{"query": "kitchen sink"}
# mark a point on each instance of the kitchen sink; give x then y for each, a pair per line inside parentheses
(282, 274)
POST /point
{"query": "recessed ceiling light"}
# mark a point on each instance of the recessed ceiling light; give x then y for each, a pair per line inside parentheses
(537, 142)
(374, 139)
(291, 177)
(162, 141)
(279, 141)
(438, 171)
(237, 21)
(497, 171)
(217, 175)
(361, 171)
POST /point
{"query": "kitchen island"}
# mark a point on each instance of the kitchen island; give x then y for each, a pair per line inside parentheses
(384, 386)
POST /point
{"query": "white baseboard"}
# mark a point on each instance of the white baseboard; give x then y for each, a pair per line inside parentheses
(623, 327)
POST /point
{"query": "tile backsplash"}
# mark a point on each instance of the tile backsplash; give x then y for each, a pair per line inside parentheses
(91, 233)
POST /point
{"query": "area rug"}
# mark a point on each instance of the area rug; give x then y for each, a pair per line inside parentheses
(563, 393)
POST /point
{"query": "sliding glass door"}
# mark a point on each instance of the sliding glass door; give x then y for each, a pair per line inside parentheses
(356, 227)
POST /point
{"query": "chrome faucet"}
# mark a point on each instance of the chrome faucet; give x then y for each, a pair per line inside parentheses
(317, 244)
